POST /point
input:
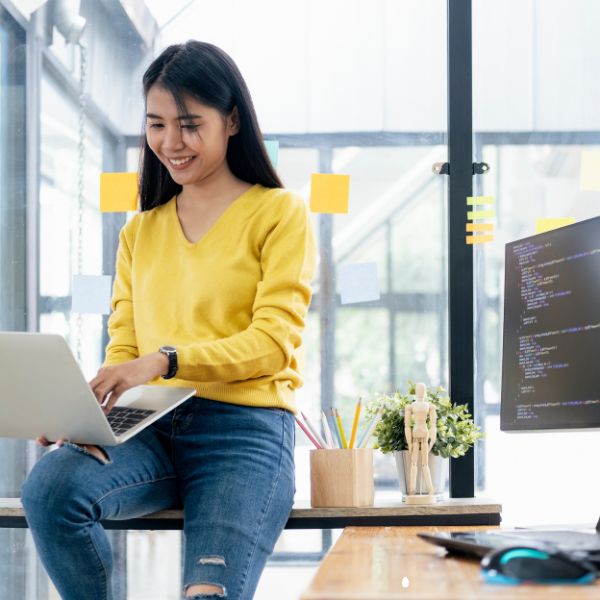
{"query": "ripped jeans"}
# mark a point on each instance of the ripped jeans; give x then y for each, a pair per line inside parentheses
(230, 467)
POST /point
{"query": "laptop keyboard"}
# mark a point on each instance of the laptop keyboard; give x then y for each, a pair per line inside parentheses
(123, 418)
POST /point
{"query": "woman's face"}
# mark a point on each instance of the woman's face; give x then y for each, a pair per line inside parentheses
(192, 146)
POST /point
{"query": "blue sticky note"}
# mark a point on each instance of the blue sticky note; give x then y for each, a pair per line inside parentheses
(358, 282)
(273, 150)
(91, 294)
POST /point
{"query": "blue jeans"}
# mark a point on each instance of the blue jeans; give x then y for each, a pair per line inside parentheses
(230, 467)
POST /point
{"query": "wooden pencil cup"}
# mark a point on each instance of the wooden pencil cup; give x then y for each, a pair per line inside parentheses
(341, 477)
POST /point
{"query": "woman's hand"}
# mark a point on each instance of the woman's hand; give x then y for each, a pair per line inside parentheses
(42, 441)
(112, 381)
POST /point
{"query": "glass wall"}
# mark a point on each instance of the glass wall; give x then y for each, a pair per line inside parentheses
(356, 88)
(14, 564)
(70, 222)
(13, 174)
(535, 112)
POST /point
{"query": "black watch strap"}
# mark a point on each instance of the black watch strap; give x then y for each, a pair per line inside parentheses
(171, 353)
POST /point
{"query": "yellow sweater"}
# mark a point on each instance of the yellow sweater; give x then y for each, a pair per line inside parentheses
(233, 304)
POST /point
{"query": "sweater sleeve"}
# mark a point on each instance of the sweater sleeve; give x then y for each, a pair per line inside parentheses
(282, 298)
(123, 342)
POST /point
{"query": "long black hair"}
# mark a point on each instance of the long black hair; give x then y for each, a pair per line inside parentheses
(207, 74)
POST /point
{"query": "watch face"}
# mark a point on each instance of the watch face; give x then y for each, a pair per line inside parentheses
(168, 349)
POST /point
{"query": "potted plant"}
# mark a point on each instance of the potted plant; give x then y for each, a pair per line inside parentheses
(456, 433)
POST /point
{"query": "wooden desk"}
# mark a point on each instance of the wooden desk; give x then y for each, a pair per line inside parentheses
(381, 563)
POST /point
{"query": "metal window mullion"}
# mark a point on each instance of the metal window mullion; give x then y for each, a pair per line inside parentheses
(36, 580)
(326, 310)
(114, 158)
(326, 295)
(33, 103)
(460, 255)
(391, 307)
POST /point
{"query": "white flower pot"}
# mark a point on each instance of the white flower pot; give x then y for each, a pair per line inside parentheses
(438, 467)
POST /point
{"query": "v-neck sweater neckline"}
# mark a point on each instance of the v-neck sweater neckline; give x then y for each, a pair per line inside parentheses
(218, 224)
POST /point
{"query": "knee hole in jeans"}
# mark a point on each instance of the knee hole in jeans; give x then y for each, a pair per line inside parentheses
(96, 452)
(205, 590)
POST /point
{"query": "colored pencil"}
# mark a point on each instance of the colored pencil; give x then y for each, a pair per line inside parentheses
(307, 432)
(341, 427)
(327, 431)
(355, 424)
(336, 429)
(369, 431)
(314, 431)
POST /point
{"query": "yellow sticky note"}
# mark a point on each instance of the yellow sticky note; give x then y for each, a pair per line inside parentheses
(476, 200)
(118, 192)
(329, 193)
(480, 227)
(480, 214)
(479, 239)
(542, 225)
(590, 170)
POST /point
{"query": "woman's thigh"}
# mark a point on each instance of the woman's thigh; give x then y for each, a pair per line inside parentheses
(236, 471)
(136, 478)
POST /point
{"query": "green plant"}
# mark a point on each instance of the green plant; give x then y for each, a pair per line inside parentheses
(456, 431)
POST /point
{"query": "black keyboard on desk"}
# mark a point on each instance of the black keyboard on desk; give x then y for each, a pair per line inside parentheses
(575, 540)
(123, 418)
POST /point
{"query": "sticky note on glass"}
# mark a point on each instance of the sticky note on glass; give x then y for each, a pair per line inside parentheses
(479, 239)
(91, 294)
(480, 227)
(118, 192)
(477, 200)
(590, 170)
(273, 151)
(329, 193)
(481, 214)
(549, 224)
(358, 282)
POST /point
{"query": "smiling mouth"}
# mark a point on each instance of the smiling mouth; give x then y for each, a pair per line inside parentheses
(179, 163)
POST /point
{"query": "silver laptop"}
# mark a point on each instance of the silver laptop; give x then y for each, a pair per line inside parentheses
(43, 392)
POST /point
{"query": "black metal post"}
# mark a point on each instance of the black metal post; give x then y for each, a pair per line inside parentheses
(460, 255)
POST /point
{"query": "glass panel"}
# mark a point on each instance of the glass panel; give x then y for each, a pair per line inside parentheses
(14, 564)
(352, 88)
(70, 237)
(12, 175)
(535, 113)
(398, 221)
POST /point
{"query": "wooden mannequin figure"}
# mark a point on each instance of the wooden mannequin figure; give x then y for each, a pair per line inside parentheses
(420, 438)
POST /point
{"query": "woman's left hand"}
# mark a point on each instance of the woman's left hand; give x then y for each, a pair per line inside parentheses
(112, 381)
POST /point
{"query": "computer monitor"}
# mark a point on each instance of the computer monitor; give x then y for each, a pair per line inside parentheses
(551, 340)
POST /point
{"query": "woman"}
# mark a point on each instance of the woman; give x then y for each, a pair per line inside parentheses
(212, 286)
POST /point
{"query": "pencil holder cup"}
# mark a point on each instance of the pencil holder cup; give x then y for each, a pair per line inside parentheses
(341, 477)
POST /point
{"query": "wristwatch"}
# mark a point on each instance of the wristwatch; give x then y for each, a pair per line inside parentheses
(171, 353)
